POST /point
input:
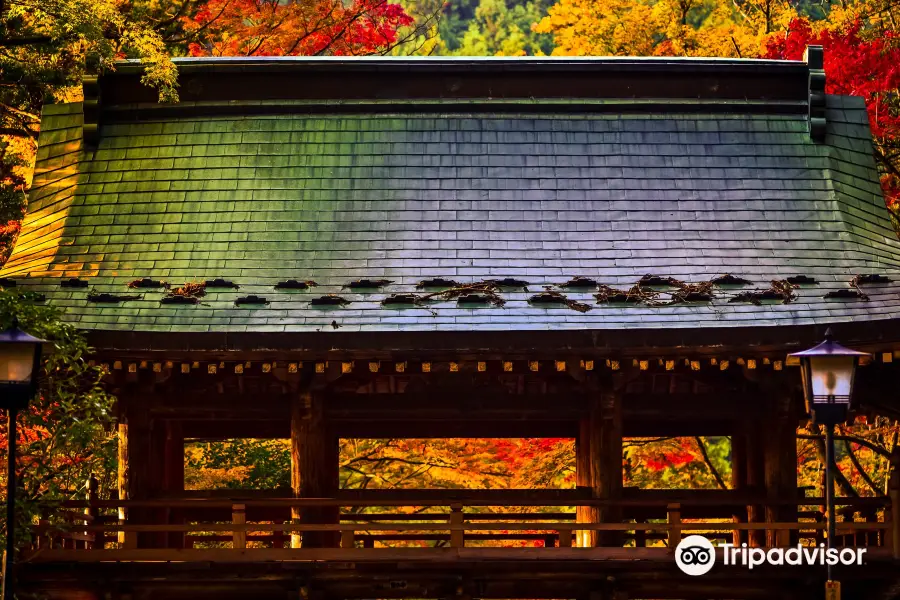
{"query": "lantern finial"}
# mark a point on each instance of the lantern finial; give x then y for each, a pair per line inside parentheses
(829, 335)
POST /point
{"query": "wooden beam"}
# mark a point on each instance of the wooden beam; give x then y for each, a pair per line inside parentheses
(280, 429)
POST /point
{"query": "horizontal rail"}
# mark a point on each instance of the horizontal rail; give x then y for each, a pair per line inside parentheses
(371, 555)
(377, 503)
(486, 516)
(848, 527)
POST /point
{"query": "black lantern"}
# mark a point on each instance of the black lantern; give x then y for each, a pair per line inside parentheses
(20, 361)
(828, 371)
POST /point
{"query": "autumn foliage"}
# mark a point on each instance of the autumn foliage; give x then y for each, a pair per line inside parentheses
(273, 28)
(857, 65)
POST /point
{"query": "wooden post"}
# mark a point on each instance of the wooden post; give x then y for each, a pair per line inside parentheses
(606, 464)
(279, 537)
(640, 535)
(136, 470)
(565, 538)
(584, 514)
(314, 468)
(457, 519)
(894, 492)
(755, 477)
(674, 522)
(348, 539)
(174, 478)
(44, 540)
(127, 540)
(93, 514)
(780, 455)
(739, 480)
(239, 517)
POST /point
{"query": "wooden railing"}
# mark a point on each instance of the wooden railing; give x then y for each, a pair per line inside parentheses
(194, 524)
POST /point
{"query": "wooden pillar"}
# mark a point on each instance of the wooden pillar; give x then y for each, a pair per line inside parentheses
(606, 464)
(755, 478)
(739, 480)
(136, 470)
(174, 477)
(584, 514)
(315, 467)
(780, 457)
(156, 486)
(893, 513)
(125, 541)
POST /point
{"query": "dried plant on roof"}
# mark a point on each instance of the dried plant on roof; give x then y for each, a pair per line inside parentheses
(779, 289)
(551, 297)
(660, 281)
(489, 289)
(641, 293)
(637, 294)
(694, 292)
(148, 283)
(189, 290)
(863, 279)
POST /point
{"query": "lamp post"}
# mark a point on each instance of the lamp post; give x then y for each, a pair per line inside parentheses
(20, 360)
(828, 370)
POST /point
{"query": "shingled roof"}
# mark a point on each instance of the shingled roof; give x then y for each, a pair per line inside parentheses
(537, 170)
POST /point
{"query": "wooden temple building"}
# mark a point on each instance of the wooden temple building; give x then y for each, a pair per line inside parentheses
(324, 249)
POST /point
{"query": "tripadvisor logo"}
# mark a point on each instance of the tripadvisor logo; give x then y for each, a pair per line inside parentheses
(695, 555)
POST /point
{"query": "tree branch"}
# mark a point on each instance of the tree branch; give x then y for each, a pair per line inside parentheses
(859, 468)
(709, 464)
(849, 438)
(839, 478)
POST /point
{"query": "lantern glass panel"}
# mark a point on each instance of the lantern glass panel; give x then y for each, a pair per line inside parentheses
(832, 378)
(16, 363)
